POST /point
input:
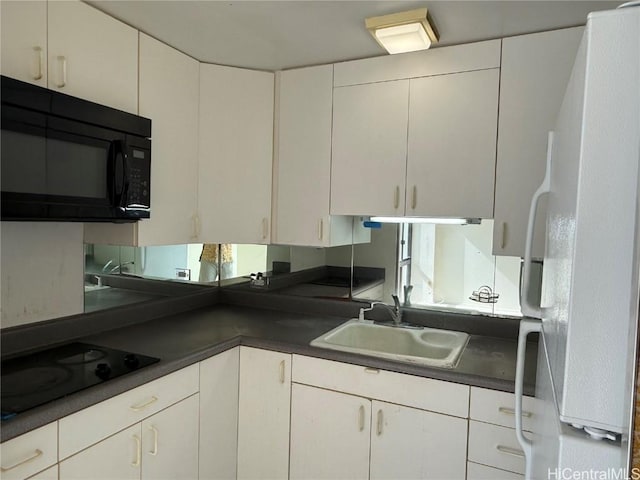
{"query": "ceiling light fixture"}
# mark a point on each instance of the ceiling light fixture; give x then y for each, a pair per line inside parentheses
(404, 31)
(441, 221)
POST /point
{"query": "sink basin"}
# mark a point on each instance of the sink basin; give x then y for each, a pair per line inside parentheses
(424, 346)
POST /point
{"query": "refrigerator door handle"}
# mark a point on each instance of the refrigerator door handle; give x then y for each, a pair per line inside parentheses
(528, 309)
(527, 326)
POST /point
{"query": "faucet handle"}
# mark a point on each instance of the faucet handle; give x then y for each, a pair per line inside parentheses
(396, 301)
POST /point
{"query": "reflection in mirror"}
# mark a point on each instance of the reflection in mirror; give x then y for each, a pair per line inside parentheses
(443, 267)
(112, 273)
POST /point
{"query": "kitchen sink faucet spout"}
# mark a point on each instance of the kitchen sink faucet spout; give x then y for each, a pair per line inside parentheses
(395, 311)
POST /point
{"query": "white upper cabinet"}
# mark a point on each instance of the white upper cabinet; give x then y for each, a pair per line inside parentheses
(534, 74)
(24, 41)
(369, 148)
(452, 144)
(302, 164)
(235, 155)
(92, 55)
(169, 96)
(415, 134)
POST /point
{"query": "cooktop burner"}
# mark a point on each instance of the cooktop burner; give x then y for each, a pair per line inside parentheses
(41, 377)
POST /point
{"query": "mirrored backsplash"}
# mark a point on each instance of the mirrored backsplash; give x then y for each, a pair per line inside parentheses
(441, 267)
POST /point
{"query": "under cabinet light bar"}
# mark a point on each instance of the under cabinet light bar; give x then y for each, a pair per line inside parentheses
(440, 221)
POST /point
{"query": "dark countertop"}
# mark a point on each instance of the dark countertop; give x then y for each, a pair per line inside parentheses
(114, 297)
(181, 339)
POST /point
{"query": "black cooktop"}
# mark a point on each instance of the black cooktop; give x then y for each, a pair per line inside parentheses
(41, 377)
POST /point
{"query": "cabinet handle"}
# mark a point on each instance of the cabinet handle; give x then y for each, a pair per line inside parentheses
(142, 406)
(282, 364)
(396, 197)
(136, 462)
(35, 455)
(320, 229)
(154, 430)
(361, 418)
(510, 451)
(414, 197)
(373, 371)
(503, 236)
(38, 74)
(511, 411)
(265, 228)
(63, 68)
(196, 226)
(380, 422)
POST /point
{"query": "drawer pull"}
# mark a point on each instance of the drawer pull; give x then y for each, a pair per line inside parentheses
(414, 198)
(396, 197)
(361, 417)
(380, 422)
(511, 411)
(154, 430)
(142, 406)
(510, 451)
(373, 371)
(282, 364)
(35, 455)
(136, 462)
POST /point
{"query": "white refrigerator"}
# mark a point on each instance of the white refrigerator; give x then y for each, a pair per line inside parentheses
(588, 312)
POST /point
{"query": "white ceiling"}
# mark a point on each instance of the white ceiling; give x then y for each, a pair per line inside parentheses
(274, 35)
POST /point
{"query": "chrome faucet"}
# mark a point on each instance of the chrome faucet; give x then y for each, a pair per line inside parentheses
(395, 311)
(118, 267)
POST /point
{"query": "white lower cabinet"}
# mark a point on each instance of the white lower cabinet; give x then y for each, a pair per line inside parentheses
(264, 412)
(410, 443)
(48, 474)
(494, 452)
(118, 456)
(476, 471)
(219, 415)
(28, 454)
(346, 422)
(330, 434)
(164, 446)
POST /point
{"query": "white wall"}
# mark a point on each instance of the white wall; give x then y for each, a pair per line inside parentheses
(42, 271)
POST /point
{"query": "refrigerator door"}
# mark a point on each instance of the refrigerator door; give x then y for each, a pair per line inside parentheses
(559, 451)
(587, 277)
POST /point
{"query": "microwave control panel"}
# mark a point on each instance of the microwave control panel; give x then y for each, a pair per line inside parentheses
(139, 173)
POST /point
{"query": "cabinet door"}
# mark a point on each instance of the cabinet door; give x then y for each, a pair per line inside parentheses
(302, 176)
(24, 41)
(452, 145)
(170, 442)
(534, 75)
(219, 415)
(48, 474)
(235, 154)
(92, 55)
(169, 93)
(263, 418)
(369, 149)
(329, 434)
(119, 456)
(410, 443)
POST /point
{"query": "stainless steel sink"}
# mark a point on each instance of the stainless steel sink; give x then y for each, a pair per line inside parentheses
(424, 346)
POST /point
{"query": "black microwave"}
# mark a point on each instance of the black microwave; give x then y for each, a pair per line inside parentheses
(67, 159)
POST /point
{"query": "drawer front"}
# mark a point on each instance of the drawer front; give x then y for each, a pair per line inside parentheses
(482, 472)
(498, 408)
(28, 454)
(89, 426)
(424, 393)
(495, 446)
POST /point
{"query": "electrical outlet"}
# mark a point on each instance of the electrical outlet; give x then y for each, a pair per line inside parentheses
(183, 273)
